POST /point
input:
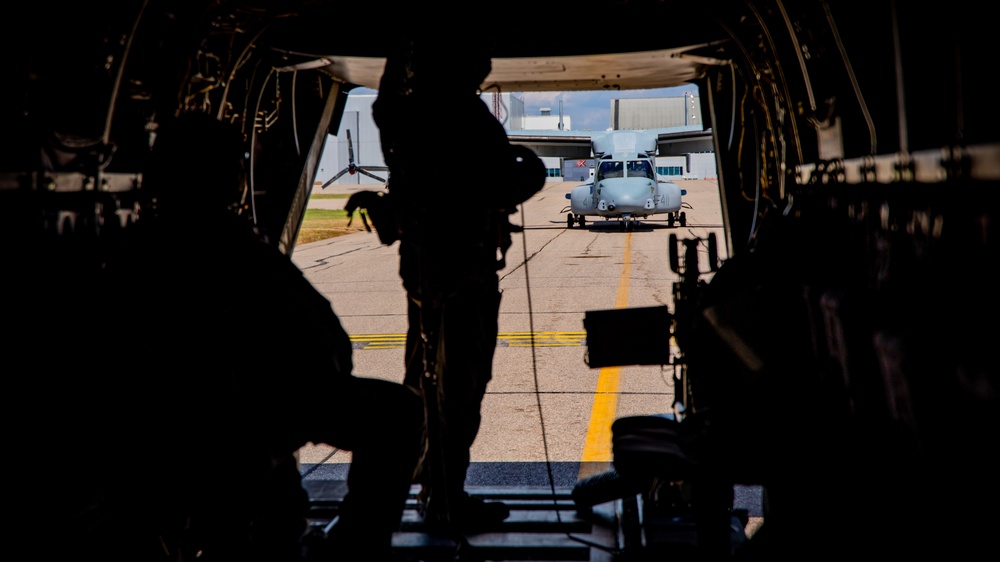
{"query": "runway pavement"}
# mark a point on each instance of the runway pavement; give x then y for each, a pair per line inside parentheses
(546, 412)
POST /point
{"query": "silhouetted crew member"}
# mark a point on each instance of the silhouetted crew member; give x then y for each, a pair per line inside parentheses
(252, 364)
(451, 190)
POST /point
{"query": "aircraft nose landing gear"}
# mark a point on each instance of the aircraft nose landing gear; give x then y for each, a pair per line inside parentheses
(626, 223)
(578, 219)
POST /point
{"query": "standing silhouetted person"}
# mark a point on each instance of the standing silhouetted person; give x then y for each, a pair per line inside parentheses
(453, 235)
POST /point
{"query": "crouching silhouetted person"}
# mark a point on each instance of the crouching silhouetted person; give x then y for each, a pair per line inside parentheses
(246, 363)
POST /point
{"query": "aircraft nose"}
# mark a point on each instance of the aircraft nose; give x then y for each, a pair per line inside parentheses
(630, 203)
(631, 198)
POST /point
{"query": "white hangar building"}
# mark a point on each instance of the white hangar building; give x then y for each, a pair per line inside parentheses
(626, 113)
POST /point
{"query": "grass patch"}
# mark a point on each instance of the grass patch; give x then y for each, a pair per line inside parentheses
(327, 214)
(320, 224)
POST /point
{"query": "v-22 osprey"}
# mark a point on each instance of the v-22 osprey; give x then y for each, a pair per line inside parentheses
(624, 184)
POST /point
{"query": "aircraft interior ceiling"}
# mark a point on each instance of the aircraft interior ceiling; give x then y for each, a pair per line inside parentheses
(858, 151)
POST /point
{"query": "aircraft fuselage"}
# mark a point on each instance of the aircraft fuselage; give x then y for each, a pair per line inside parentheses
(624, 185)
(625, 197)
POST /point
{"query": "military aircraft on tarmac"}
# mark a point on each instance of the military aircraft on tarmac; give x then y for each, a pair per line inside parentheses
(624, 184)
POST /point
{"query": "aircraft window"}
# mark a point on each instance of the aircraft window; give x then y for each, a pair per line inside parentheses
(614, 169)
(640, 169)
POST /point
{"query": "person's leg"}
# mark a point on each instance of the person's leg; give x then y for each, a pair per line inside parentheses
(414, 378)
(414, 350)
(280, 509)
(381, 423)
(467, 343)
(468, 336)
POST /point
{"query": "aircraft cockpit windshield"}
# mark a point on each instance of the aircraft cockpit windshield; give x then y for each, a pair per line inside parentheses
(610, 169)
(631, 169)
(640, 169)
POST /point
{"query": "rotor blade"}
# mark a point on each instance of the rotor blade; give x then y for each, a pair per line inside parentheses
(335, 178)
(371, 175)
(350, 148)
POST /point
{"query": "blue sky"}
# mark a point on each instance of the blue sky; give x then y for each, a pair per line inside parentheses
(591, 110)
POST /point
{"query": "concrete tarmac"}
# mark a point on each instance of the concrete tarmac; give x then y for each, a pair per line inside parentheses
(339, 189)
(570, 271)
(545, 407)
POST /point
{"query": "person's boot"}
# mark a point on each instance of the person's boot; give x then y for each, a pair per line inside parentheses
(470, 514)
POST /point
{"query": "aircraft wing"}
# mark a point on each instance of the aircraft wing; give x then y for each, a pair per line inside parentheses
(562, 144)
(578, 144)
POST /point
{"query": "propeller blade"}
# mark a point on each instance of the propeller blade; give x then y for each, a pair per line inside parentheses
(352, 168)
(371, 175)
(350, 148)
(335, 178)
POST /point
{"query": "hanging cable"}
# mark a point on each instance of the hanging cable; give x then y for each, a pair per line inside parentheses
(119, 73)
(538, 394)
(295, 119)
(534, 362)
(252, 118)
(316, 466)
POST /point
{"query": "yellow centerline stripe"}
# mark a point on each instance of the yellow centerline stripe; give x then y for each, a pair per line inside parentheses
(597, 445)
(505, 335)
(510, 339)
